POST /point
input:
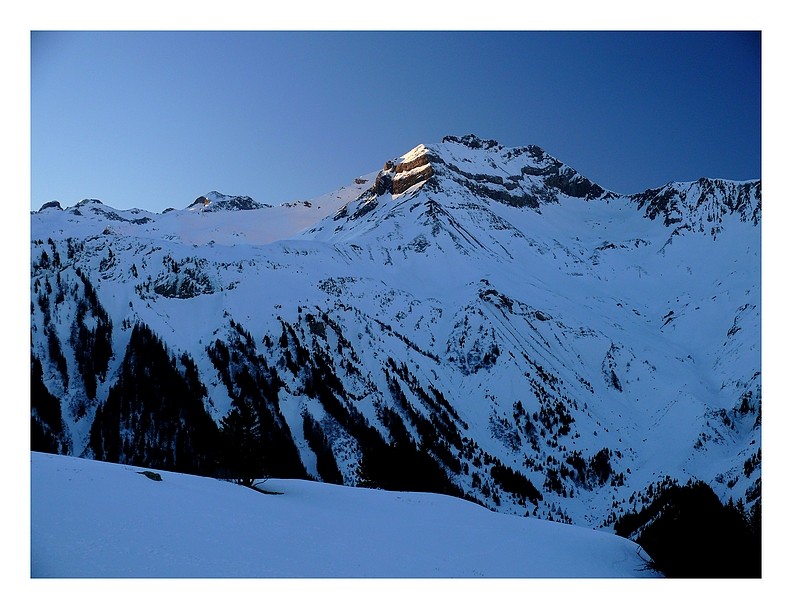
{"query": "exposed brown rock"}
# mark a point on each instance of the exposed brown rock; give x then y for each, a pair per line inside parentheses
(408, 165)
(402, 182)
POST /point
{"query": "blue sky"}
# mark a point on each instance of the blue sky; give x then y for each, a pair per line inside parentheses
(155, 119)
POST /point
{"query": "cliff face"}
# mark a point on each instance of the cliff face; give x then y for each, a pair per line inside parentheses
(397, 177)
(410, 173)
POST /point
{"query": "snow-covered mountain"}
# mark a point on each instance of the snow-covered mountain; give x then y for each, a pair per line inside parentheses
(472, 319)
(216, 201)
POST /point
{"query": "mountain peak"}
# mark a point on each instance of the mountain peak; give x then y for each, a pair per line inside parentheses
(471, 141)
(51, 205)
(519, 177)
(216, 201)
(459, 188)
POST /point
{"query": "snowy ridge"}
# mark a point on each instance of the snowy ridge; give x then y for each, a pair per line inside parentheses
(482, 315)
(704, 204)
(215, 201)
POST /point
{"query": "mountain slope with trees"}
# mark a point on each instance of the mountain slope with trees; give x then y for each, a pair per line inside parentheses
(472, 320)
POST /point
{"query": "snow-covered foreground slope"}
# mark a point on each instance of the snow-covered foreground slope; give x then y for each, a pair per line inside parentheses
(95, 519)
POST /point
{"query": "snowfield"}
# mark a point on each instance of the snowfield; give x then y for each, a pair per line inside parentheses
(96, 520)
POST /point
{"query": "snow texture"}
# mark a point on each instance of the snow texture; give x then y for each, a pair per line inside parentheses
(94, 519)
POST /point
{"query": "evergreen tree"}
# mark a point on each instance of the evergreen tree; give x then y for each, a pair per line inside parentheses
(242, 455)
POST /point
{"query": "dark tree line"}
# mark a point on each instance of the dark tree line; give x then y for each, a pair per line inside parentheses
(689, 532)
(326, 464)
(255, 440)
(46, 419)
(154, 415)
(515, 482)
(400, 463)
(92, 346)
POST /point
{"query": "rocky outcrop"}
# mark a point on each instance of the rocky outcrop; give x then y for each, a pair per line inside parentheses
(406, 178)
(521, 190)
(702, 205)
(561, 177)
(398, 178)
(471, 141)
(51, 205)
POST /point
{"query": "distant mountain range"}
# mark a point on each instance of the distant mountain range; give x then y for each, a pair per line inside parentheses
(472, 319)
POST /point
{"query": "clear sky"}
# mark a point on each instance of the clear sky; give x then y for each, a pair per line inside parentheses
(155, 119)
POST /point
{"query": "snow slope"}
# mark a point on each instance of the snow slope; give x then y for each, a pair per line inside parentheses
(95, 519)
